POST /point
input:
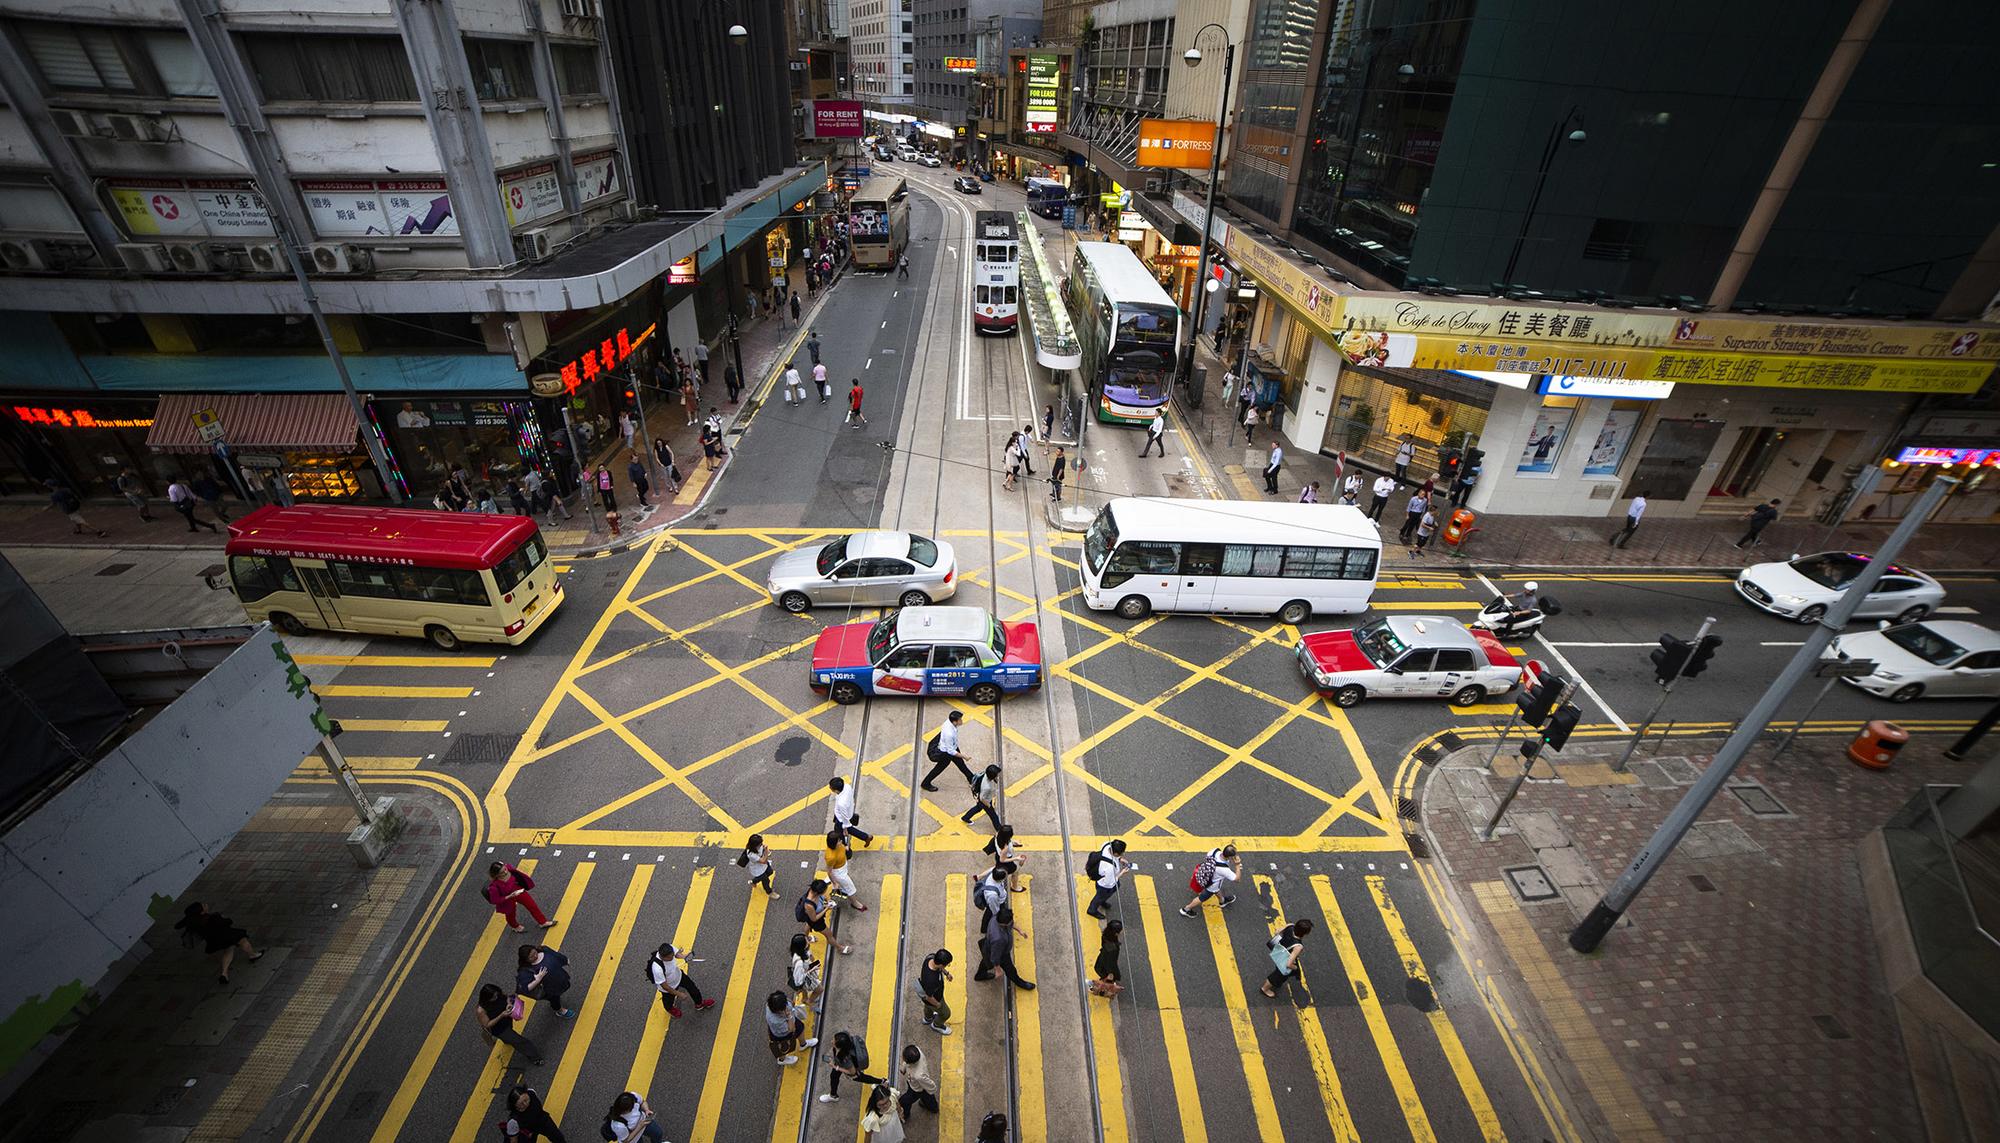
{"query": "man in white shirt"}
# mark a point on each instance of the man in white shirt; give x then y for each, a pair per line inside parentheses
(409, 418)
(943, 751)
(674, 983)
(1110, 865)
(1156, 434)
(843, 813)
(1271, 468)
(1212, 876)
(1632, 516)
(795, 386)
(1384, 487)
(701, 360)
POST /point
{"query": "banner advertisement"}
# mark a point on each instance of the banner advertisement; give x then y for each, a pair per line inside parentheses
(1044, 90)
(158, 207)
(232, 209)
(596, 177)
(1620, 426)
(530, 194)
(1545, 439)
(837, 119)
(961, 63)
(1287, 280)
(418, 206)
(372, 209)
(1184, 143)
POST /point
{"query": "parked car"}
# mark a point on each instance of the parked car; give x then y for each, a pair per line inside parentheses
(965, 184)
(1408, 656)
(892, 568)
(1804, 588)
(1933, 659)
(928, 651)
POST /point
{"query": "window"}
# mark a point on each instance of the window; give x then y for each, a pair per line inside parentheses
(259, 576)
(1416, 662)
(520, 563)
(1146, 559)
(1010, 296)
(500, 69)
(79, 57)
(958, 658)
(376, 580)
(908, 657)
(1456, 659)
(340, 69)
(576, 70)
(886, 569)
(980, 295)
(1201, 559)
(440, 585)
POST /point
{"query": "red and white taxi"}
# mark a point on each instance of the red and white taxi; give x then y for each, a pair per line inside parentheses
(928, 651)
(1408, 656)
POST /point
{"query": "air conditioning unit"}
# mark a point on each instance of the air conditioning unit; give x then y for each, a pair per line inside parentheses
(340, 258)
(580, 9)
(265, 258)
(534, 244)
(145, 257)
(626, 211)
(190, 258)
(135, 128)
(76, 124)
(26, 254)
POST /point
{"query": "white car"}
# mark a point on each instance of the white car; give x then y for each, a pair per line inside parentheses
(1938, 659)
(1408, 656)
(930, 160)
(1805, 588)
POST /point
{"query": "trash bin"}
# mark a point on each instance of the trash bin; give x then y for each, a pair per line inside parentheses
(1877, 744)
(1455, 529)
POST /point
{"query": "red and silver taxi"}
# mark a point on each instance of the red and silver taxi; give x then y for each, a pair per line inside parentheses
(1408, 656)
(928, 651)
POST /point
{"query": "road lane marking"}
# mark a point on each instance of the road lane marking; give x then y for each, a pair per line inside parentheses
(1784, 643)
(652, 1041)
(1379, 605)
(334, 690)
(1371, 1010)
(479, 1105)
(1031, 1098)
(882, 988)
(1569, 669)
(1263, 1106)
(1654, 643)
(951, 1049)
(1454, 1050)
(396, 725)
(393, 661)
(1104, 1034)
(1955, 610)
(1310, 1030)
(729, 1015)
(563, 1083)
(1187, 1093)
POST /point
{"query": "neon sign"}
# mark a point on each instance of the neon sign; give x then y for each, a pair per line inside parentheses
(77, 419)
(1978, 457)
(603, 358)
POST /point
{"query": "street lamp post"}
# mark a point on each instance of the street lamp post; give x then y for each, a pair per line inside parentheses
(1192, 57)
(738, 35)
(1549, 151)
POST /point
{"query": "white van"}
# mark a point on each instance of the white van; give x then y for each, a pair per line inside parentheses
(1230, 557)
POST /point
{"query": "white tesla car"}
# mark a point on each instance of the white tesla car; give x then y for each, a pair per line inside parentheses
(1938, 659)
(1805, 588)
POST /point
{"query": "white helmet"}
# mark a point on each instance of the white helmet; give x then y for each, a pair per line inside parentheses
(1533, 586)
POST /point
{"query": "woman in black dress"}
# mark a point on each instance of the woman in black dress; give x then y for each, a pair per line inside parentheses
(218, 933)
(1106, 966)
(526, 1120)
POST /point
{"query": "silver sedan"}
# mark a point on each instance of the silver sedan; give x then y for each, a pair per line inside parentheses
(898, 568)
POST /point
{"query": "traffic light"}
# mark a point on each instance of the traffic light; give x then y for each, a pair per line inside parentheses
(1561, 722)
(1530, 747)
(1671, 658)
(1702, 653)
(1474, 457)
(1539, 698)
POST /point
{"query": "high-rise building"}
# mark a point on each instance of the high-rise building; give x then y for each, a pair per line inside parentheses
(501, 217)
(946, 55)
(881, 43)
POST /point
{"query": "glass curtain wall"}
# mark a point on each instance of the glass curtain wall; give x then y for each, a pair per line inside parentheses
(1277, 61)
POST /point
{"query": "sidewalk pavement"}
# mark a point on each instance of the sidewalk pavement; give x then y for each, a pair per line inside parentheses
(171, 1055)
(1742, 996)
(1503, 541)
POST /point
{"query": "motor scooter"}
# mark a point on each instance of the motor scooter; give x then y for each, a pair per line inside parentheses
(1505, 619)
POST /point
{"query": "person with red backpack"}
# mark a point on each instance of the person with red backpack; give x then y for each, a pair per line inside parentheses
(1211, 877)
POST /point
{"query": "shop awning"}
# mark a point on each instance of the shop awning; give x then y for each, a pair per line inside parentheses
(292, 422)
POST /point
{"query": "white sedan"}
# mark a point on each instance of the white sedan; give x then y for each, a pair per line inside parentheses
(1939, 659)
(1805, 588)
(1408, 656)
(930, 160)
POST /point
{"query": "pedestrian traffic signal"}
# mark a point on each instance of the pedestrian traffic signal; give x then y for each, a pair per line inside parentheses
(1701, 654)
(1530, 747)
(1561, 722)
(1539, 698)
(1671, 659)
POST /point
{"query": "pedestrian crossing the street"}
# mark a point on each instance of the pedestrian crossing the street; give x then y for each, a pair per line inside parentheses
(1370, 1043)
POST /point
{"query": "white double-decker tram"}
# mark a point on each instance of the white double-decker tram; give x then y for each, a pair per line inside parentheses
(996, 269)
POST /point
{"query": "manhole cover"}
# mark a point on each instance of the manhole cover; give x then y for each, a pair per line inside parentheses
(1701, 884)
(115, 569)
(1759, 800)
(1831, 1028)
(480, 749)
(1530, 883)
(1418, 846)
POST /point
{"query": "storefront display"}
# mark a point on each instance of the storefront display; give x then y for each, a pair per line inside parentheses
(492, 440)
(1621, 425)
(83, 443)
(1546, 435)
(1372, 413)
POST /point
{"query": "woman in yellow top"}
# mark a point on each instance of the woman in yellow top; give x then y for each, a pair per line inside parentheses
(836, 869)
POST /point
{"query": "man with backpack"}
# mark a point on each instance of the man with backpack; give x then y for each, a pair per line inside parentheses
(664, 971)
(1107, 867)
(990, 893)
(1211, 877)
(985, 796)
(66, 501)
(943, 751)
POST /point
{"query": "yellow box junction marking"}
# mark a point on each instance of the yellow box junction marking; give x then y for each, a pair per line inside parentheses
(1103, 1031)
(1371, 1010)
(1180, 1062)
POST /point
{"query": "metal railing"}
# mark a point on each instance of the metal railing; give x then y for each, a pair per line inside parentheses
(1056, 346)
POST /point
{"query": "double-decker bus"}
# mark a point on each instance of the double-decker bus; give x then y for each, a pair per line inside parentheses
(878, 222)
(996, 270)
(1128, 328)
(450, 577)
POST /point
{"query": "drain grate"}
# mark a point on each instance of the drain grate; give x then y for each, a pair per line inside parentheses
(1531, 883)
(1406, 809)
(1831, 1028)
(1759, 801)
(115, 569)
(480, 749)
(1701, 884)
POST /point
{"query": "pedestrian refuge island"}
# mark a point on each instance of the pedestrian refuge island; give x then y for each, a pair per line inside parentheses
(1056, 346)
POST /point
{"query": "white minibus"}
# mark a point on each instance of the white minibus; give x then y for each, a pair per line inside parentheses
(1230, 557)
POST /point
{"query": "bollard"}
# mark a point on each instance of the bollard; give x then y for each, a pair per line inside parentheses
(611, 521)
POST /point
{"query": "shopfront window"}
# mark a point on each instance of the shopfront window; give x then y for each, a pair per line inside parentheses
(1374, 412)
(1614, 437)
(1546, 436)
(490, 441)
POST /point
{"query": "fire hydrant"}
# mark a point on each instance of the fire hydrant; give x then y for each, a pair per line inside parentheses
(611, 520)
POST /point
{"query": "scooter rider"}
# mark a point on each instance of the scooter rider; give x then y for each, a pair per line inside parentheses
(1523, 604)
